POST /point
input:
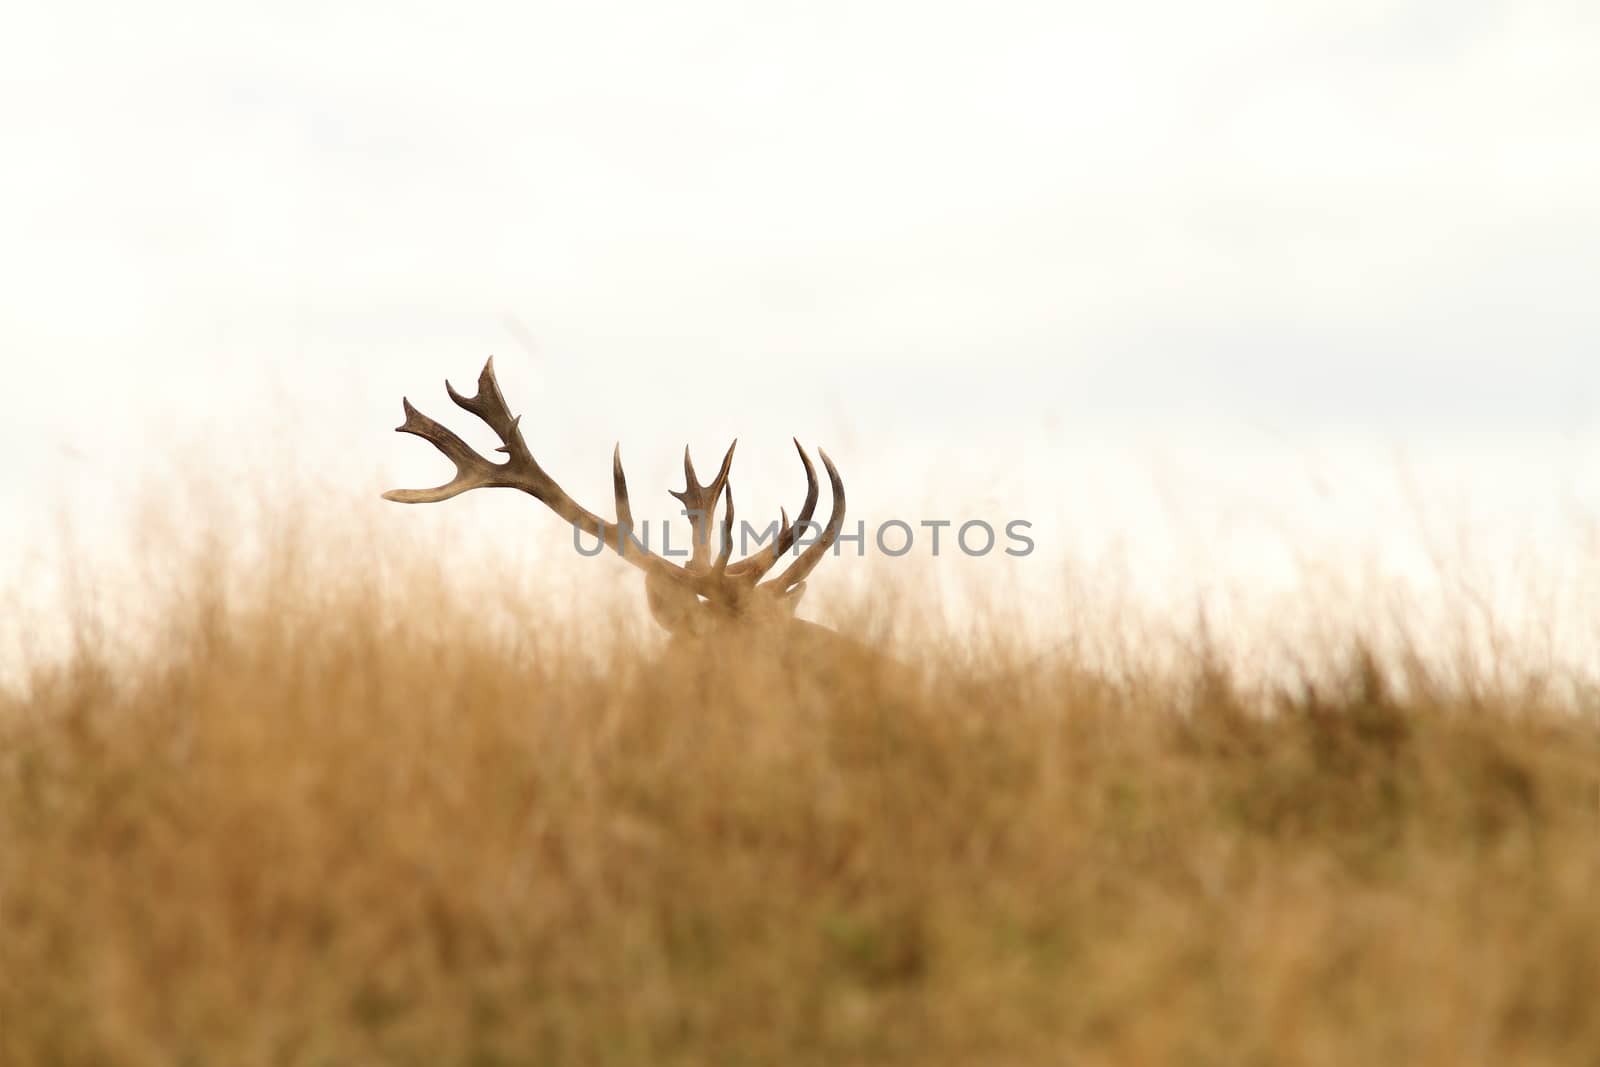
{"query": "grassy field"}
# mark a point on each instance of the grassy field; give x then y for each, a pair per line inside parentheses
(324, 822)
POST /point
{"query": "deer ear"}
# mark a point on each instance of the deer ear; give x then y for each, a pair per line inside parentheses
(790, 598)
(674, 609)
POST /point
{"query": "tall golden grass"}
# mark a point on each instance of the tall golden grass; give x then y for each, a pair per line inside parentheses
(338, 813)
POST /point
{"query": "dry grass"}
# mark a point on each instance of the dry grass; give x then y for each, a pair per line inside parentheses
(326, 822)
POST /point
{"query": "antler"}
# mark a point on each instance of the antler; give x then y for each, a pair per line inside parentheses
(720, 580)
(763, 560)
(522, 471)
(792, 581)
(699, 501)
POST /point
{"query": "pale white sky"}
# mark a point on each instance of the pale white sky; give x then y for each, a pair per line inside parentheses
(922, 234)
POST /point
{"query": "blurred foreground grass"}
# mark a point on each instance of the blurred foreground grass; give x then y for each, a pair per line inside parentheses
(322, 822)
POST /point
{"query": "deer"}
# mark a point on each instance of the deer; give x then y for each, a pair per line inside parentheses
(710, 597)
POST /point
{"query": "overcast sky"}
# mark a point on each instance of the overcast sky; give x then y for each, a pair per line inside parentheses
(921, 233)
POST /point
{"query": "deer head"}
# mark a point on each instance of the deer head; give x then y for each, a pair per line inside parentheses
(707, 593)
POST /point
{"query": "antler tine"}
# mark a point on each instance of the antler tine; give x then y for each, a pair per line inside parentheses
(725, 552)
(753, 567)
(700, 501)
(489, 404)
(811, 484)
(692, 487)
(722, 475)
(619, 489)
(813, 554)
(472, 470)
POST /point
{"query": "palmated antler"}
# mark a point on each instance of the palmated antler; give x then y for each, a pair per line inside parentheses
(719, 581)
